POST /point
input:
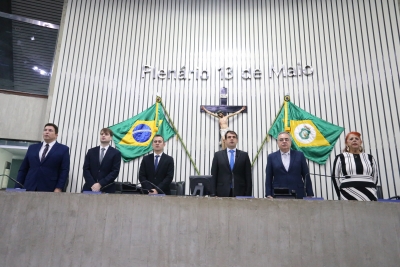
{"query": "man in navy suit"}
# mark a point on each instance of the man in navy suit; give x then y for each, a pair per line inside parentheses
(231, 169)
(287, 168)
(102, 164)
(157, 169)
(46, 165)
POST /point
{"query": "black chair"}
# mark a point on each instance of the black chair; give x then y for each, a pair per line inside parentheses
(126, 188)
(283, 192)
(379, 193)
(177, 188)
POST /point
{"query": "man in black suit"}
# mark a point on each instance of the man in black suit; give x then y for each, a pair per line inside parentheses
(102, 164)
(157, 169)
(231, 169)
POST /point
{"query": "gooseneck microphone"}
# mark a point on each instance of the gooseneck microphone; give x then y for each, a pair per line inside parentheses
(158, 189)
(133, 186)
(107, 185)
(12, 179)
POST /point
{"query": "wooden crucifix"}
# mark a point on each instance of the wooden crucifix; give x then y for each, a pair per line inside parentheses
(221, 112)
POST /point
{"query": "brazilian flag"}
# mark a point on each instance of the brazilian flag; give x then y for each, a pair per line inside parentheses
(133, 137)
(311, 135)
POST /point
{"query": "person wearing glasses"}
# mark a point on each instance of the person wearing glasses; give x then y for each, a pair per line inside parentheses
(355, 173)
(287, 168)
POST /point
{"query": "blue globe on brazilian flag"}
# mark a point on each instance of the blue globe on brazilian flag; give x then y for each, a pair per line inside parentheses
(133, 137)
(311, 135)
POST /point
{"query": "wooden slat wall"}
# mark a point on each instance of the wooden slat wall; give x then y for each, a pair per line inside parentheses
(353, 47)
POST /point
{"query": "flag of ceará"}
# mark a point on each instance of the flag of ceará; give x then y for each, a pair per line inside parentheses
(311, 135)
(133, 137)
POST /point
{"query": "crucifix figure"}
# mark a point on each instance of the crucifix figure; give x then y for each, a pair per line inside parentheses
(221, 112)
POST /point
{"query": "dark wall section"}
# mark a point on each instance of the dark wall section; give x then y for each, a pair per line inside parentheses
(6, 50)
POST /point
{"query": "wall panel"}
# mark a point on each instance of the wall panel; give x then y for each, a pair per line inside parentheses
(351, 45)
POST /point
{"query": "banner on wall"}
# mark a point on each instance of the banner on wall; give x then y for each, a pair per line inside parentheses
(133, 137)
(311, 135)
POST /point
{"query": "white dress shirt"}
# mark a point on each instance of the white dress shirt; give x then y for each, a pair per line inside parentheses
(286, 160)
(44, 146)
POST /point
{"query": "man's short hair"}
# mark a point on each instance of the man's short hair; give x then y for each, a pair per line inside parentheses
(159, 135)
(107, 131)
(52, 125)
(231, 132)
(284, 132)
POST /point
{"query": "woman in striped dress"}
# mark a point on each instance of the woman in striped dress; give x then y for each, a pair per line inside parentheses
(355, 174)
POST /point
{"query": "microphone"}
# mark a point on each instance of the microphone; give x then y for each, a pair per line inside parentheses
(158, 189)
(107, 185)
(12, 179)
(135, 186)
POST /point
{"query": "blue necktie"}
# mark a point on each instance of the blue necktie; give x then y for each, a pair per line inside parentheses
(232, 159)
(156, 162)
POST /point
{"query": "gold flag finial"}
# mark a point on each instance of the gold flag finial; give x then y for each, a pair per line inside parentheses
(286, 98)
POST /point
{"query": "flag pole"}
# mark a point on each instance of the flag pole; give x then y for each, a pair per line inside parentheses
(286, 122)
(266, 139)
(158, 99)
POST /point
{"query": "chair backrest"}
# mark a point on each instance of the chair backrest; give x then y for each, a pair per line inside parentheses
(177, 188)
(379, 192)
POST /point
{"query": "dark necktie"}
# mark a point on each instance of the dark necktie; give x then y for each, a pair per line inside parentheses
(102, 154)
(232, 159)
(156, 162)
(44, 152)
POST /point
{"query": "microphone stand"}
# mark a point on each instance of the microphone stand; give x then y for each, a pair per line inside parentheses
(158, 189)
(12, 179)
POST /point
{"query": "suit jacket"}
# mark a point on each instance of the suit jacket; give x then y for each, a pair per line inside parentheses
(162, 177)
(48, 175)
(104, 173)
(277, 176)
(222, 174)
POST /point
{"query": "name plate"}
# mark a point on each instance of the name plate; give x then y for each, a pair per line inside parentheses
(240, 197)
(15, 189)
(156, 195)
(389, 200)
(313, 198)
(91, 192)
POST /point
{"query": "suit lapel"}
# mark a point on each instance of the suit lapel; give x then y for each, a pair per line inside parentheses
(237, 157)
(280, 160)
(108, 154)
(37, 150)
(151, 164)
(96, 155)
(225, 157)
(292, 158)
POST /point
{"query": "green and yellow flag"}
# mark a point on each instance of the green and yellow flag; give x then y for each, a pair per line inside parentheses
(133, 137)
(311, 135)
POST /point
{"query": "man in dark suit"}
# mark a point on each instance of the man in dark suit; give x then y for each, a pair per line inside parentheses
(46, 165)
(231, 169)
(287, 168)
(157, 169)
(102, 164)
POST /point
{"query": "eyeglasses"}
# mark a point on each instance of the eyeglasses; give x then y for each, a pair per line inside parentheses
(284, 139)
